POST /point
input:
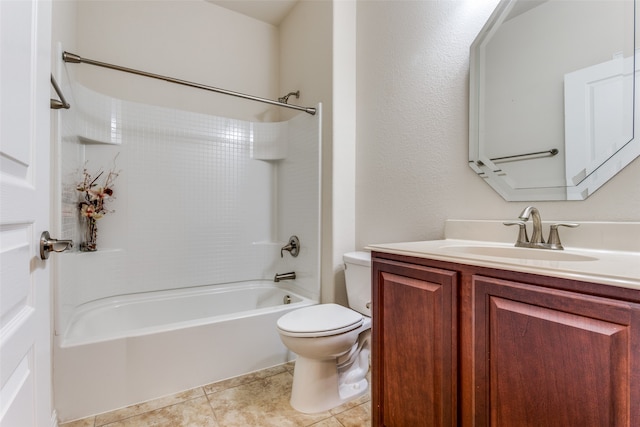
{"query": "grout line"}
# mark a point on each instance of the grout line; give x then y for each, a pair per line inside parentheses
(182, 402)
(213, 411)
(287, 368)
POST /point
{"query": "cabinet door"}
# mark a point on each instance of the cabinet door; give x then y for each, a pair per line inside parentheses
(414, 346)
(544, 357)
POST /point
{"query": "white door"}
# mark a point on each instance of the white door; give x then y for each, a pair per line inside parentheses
(599, 115)
(25, 338)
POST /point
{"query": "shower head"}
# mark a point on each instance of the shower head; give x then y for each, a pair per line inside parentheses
(285, 98)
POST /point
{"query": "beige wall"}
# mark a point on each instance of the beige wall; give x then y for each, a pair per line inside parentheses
(344, 140)
(192, 40)
(307, 61)
(412, 96)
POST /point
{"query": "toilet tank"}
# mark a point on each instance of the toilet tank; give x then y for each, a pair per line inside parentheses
(357, 272)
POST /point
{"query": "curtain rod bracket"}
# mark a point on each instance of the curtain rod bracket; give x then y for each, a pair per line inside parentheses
(56, 104)
(71, 57)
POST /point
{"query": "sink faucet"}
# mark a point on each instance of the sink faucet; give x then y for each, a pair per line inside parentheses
(536, 241)
(536, 234)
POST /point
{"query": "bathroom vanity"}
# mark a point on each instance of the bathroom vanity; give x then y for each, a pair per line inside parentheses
(475, 333)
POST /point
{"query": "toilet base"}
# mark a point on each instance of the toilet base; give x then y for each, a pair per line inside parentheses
(316, 386)
(320, 385)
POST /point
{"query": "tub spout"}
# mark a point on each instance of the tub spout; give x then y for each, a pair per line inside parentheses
(284, 276)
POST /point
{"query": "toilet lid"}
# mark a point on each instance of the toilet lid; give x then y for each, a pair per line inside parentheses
(320, 320)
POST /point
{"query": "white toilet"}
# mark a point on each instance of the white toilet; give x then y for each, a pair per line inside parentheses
(332, 343)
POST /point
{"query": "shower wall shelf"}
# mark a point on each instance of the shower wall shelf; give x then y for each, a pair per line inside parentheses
(91, 141)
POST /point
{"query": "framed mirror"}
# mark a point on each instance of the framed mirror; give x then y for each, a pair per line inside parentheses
(553, 97)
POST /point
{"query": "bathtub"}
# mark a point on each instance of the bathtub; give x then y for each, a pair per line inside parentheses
(123, 350)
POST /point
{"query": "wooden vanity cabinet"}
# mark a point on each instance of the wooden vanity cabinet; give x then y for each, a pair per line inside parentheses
(414, 345)
(528, 350)
(546, 357)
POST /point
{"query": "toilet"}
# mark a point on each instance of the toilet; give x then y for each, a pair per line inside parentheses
(332, 343)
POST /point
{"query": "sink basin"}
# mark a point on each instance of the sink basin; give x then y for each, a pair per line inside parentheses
(519, 253)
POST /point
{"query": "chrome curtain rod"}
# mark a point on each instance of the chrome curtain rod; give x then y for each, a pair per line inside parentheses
(77, 59)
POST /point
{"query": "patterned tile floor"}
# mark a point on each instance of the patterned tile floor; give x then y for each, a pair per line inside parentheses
(259, 399)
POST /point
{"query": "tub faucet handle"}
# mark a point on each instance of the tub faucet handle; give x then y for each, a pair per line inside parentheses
(293, 247)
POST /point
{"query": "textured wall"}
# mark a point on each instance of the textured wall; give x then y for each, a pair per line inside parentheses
(306, 63)
(190, 40)
(412, 171)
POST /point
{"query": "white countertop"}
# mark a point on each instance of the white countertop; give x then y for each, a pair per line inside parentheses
(616, 263)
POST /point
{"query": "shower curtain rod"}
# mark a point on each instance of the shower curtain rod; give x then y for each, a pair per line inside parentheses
(77, 59)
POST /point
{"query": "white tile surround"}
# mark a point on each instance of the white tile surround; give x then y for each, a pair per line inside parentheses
(200, 199)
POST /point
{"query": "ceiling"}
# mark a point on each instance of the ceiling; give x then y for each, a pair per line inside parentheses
(269, 11)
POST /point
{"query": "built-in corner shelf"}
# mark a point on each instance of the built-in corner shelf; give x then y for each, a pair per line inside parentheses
(106, 141)
(101, 251)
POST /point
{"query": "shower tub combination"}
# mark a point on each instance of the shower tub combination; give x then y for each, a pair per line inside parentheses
(135, 321)
(127, 349)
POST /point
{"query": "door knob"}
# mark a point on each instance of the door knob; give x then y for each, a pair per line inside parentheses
(47, 244)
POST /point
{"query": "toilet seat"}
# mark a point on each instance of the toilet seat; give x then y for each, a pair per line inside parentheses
(319, 321)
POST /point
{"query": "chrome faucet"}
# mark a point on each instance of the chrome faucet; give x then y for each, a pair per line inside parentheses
(284, 276)
(536, 234)
(536, 241)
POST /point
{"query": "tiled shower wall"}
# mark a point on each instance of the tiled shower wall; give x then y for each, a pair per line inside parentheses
(199, 199)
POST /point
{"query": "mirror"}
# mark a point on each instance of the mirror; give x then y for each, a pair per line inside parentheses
(553, 96)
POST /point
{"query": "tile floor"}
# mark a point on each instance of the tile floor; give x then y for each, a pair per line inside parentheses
(259, 399)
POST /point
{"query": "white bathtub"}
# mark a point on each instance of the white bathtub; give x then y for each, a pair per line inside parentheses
(123, 350)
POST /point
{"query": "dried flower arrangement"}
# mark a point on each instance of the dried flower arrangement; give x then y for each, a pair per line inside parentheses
(93, 204)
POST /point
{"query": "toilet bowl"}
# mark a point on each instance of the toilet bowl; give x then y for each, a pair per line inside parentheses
(332, 343)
